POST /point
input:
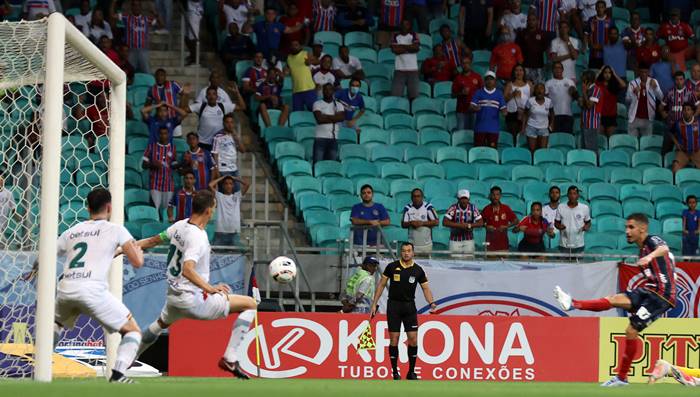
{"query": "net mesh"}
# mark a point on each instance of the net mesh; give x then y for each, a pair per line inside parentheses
(84, 165)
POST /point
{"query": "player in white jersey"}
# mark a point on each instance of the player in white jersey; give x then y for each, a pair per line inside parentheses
(89, 248)
(189, 293)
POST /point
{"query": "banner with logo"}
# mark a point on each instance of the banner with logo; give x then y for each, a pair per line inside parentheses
(674, 340)
(525, 292)
(324, 345)
(687, 287)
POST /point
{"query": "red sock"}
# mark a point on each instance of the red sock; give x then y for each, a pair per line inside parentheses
(630, 351)
(595, 305)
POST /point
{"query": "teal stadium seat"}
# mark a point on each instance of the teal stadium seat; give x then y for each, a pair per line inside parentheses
(634, 207)
(483, 155)
(431, 121)
(371, 120)
(422, 106)
(544, 157)
(336, 185)
(434, 139)
(302, 118)
(451, 155)
(454, 171)
(592, 175)
(560, 175)
(355, 40)
(668, 210)
(418, 155)
(425, 171)
(687, 176)
(442, 89)
(605, 207)
(625, 142)
(494, 173)
(610, 224)
(614, 158)
(343, 202)
(404, 186)
(645, 159)
(527, 174)
(657, 176)
(603, 191)
(536, 191)
(439, 188)
(581, 157)
(634, 192)
(516, 156)
(404, 138)
(394, 104)
(371, 137)
(398, 121)
(600, 242)
(382, 154)
(666, 193)
(463, 139)
(327, 168)
(625, 175)
(356, 169)
(328, 37)
(296, 167)
(509, 189)
(673, 226)
(353, 152)
(397, 170)
(314, 201)
(652, 143)
(562, 141)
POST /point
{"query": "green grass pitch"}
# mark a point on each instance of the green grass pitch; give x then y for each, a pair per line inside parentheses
(199, 387)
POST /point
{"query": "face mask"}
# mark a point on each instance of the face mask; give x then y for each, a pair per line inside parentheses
(354, 90)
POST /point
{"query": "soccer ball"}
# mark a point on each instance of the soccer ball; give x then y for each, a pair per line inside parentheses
(283, 270)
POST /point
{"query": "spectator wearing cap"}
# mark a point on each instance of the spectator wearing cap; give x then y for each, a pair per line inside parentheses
(677, 33)
(419, 217)
(462, 218)
(643, 93)
(488, 103)
(534, 227)
(359, 289)
(406, 46)
(368, 214)
(573, 220)
(498, 218)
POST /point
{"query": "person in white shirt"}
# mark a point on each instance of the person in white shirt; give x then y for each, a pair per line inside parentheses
(216, 79)
(225, 149)
(539, 119)
(89, 248)
(236, 11)
(324, 75)
(549, 210)
(406, 46)
(190, 294)
(573, 220)
(228, 209)
(329, 114)
(211, 113)
(97, 27)
(37, 9)
(346, 66)
(643, 94)
(562, 92)
(419, 217)
(195, 12)
(81, 19)
(564, 49)
(513, 19)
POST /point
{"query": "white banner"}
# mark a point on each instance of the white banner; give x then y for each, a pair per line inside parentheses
(465, 291)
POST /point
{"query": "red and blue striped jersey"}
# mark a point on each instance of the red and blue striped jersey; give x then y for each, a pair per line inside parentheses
(597, 31)
(255, 75)
(201, 163)
(137, 29)
(324, 18)
(590, 118)
(548, 14)
(392, 12)
(660, 273)
(458, 214)
(691, 85)
(182, 202)
(674, 101)
(453, 52)
(167, 93)
(162, 178)
(688, 135)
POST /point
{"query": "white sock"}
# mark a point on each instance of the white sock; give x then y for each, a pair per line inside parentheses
(150, 336)
(126, 353)
(240, 328)
(57, 330)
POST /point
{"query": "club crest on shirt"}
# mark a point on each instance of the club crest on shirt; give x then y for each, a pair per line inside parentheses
(503, 217)
(375, 212)
(411, 279)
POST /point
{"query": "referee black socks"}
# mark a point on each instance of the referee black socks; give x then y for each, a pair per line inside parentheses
(394, 357)
(412, 355)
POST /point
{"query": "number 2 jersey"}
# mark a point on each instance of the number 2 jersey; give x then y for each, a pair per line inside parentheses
(187, 243)
(659, 274)
(89, 248)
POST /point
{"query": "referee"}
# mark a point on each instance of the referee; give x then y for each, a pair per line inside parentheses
(404, 275)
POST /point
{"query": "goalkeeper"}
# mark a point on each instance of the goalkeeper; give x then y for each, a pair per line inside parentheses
(360, 288)
(684, 376)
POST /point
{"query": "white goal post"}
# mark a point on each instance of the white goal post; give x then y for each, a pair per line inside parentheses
(60, 36)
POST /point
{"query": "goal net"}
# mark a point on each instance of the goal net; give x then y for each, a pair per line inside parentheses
(59, 122)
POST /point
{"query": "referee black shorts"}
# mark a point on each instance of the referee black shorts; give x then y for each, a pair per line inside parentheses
(398, 312)
(647, 307)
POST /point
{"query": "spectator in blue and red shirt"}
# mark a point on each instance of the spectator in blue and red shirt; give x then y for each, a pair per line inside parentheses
(137, 27)
(161, 119)
(488, 103)
(453, 47)
(324, 16)
(269, 94)
(534, 227)
(690, 226)
(462, 218)
(672, 106)
(591, 107)
(686, 136)
(180, 206)
(597, 35)
(391, 13)
(547, 12)
(164, 90)
(160, 158)
(255, 75)
(351, 99)
(269, 34)
(199, 161)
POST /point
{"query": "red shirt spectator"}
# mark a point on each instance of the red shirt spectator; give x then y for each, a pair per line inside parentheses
(438, 68)
(465, 85)
(608, 102)
(98, 114)
(676, 35)
(504, 57)
(534, 230)
(498, 218)
(291, 20)
(648, 55)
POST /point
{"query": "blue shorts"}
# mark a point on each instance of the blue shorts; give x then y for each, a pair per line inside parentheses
(304, 99)
(647, 307)
(532, 132)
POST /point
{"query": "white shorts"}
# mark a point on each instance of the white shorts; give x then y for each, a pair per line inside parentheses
(194, 19)
(161, 199)
(195, 306)
(99, 304)
(462, 247)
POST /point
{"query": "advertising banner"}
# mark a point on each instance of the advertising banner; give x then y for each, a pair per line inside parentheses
(315, 345)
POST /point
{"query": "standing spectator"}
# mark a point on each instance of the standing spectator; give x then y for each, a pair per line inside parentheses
(643, 93)
(615, 54)
(7, 205)
(269, 94)
(166, 91)
(590, 102)
(534, 227)
(597, 29)
(324, 75)
(391, 14)
(438, 67)
(534, 44)
(476, 23)
(405, 45)
(547, 13)
(164, 8)
(513, 19)
(291, 21)
(97, 27)
(359, 290)
(303, 87)
(693, 83)
(180, 205)
(124, 64)
(138, 27)
(517, 93)
(453, 47)
(650, 51)
(234, 11)
(633, 35)
(194, 14)
(162, 119)
(199, 161)
(573, 220)
(37, 9)
(673, 105)
(324, 16)
(354, 18)
(690, 226)
(498, 218)
(269, 34)
(549, 211)
(316, 55)
(437, 9)
(462, 217)
(538, 120)
(255, 75)
(686, 137)
(329, 115)
(211, 116)
(216, 80)
(611, 85)
(487, 103)
(664, 70)
(418, 10)
(368, 213)
(105, 45)
(505, 55)
(228, 209)
(463, 88)
(677, 34)
(419, 217)
(562, 92)
(565, 49)
(160, 158)
(225, 150)
(83, 18)
(236, 47)
(354, 105)
(346, 66)
(589, 9)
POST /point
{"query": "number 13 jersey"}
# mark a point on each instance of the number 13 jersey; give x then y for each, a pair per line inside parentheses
(187, 243)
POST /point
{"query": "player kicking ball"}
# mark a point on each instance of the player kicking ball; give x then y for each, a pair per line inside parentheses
(89, 248)
(684, 376)
(646, 303)
(189, 293)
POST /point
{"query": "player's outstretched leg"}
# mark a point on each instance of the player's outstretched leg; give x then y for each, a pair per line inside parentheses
(126, 352)
(150, 335)
(246, 306)
(566, 302)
